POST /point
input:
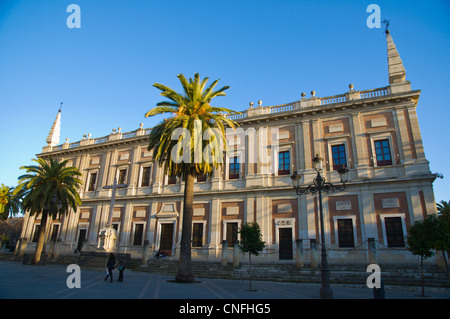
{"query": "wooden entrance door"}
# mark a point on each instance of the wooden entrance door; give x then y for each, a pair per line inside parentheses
(345, 233)
(285, 243)
(166, 241)
(394, 232)
(232, 234)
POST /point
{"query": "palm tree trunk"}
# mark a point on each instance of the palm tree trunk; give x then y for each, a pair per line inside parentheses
(184, 266)
(41, 240)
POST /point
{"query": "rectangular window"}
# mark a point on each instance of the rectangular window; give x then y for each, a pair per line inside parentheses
(54, 235)
(234, 168)
(197, 235)
(122, 176)
(345, 233)
(232, 234)
(383, 153)
(394, 232)
(338, 154)
(201, 178)
(172, 180)
(284, 163)
(92, 182)
(138, 234)
(146, 176)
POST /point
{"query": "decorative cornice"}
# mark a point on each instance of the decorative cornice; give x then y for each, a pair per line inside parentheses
(377, 98)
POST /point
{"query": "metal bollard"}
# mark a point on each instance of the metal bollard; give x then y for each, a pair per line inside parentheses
(224, 253)
(25, 259)
(379, 293)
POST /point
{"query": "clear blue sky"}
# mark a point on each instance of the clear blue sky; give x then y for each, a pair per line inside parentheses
(265, 50)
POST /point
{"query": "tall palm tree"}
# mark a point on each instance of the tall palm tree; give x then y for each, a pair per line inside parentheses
(9, 203)
(443, 209)
(49, 189)
(179, 144)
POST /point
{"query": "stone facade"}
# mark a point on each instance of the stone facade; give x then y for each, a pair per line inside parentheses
(375, 133)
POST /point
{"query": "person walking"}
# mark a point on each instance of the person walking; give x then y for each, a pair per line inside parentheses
(121, 268)
(110, 266)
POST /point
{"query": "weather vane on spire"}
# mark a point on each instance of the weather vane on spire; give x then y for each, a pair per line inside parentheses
(60, 107)
(386, 23)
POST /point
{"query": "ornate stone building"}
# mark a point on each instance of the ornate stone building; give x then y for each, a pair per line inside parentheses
(374, 132)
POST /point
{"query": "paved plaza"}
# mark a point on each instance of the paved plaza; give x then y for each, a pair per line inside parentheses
(18, 281)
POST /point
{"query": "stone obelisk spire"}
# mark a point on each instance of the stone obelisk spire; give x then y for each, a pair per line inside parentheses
(53, 135)
(396, 69)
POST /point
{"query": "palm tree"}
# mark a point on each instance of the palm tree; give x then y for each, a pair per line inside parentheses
(9, 203)
(48, 188)
(443, 209)
(178, 143)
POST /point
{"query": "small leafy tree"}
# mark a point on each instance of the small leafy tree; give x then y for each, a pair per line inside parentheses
(251, 242)
(11, 229)
(422, 238)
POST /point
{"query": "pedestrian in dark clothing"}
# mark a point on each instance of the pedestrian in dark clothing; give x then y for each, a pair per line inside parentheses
(110, 266)
(121, 268)
(160, 254)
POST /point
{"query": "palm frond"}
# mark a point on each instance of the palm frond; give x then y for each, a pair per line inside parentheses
(47, 184)
(188, 107)
(161, 110)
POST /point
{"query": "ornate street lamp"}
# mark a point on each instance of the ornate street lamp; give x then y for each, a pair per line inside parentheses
(319, 185)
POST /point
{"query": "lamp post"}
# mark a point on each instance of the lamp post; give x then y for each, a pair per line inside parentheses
(318, 186)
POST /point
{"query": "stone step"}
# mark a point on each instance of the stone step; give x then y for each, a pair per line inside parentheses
(394, 275)
(345, 274)
(291, 268)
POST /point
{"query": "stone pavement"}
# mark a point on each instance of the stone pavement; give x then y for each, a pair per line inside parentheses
(18, 281)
